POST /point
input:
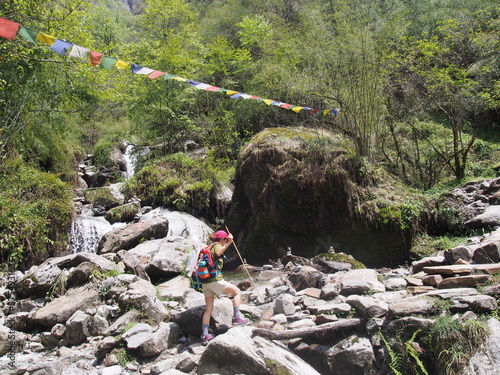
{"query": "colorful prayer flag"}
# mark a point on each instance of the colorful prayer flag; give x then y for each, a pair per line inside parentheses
(8, 29)
(120, 64)
(95, 57)
(155, 74)
(107, 62)
(137, 69)
(61, 46)
(45, 38)
(79, 53)
(29, 34)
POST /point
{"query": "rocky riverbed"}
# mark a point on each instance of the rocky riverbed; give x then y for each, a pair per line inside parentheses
(127, 309)
(308, 316)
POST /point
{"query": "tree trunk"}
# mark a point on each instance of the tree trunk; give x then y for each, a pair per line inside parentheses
(294, 333)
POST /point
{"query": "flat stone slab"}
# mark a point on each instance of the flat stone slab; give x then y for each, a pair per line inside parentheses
(412, 306)
(453, 293)
(462, 269)
(419, 289)
(469, 281)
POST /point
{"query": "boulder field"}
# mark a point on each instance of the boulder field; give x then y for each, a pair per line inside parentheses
(91, 313)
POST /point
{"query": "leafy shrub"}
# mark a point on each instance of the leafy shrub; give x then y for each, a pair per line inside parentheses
(177, 181)
(102, 152)
(35, 214)
(454, 342)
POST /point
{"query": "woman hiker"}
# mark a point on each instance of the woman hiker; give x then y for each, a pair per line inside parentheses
(217, 285)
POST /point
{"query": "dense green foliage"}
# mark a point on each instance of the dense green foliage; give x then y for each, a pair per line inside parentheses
(417, 83)
(35, 214)
(177, 181)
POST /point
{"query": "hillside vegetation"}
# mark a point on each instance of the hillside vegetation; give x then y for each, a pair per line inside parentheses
(414, 87)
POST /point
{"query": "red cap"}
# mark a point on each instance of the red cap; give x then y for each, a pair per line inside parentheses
(221, 234)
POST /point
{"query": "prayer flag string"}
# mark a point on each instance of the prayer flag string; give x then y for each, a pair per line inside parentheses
(10, 29)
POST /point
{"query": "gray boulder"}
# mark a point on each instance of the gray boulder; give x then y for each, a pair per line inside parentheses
(39, 279)
(237, 352)
(487, 253)
(351, 356)
(189, 320)
(105, 346)
(62, 308)
(488, 219)
(487, 361)
(130, 236)
(132, 316)
(137, 335)
(132, 264)
(305, 277)
(144, 301)
(9, 340)
(284, 305)
(77, 328)
(368, 307)
(456, 253)
(419, 265)
(163, 338)
(412, 306)
(361, 281)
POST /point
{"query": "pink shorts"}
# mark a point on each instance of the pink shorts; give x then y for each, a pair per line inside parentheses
(215, 288)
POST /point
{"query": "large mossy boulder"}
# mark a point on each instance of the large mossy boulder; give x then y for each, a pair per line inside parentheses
(104, 196)
(303, 189)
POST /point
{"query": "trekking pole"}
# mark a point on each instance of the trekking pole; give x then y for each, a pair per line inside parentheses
(245, 267)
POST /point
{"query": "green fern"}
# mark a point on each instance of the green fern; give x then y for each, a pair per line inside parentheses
(410, 350)
(396, 363)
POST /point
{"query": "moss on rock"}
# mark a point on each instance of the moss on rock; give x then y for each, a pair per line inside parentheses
(303, 188)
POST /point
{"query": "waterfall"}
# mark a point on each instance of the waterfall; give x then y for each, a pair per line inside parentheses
(86, 232)
(131, 160)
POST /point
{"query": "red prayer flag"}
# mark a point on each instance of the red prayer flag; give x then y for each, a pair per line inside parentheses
(156, 74)
(95, 57)
(8, 29)
(212, 88)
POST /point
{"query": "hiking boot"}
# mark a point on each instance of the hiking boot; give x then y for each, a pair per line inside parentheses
(206, 338)
(239, 320)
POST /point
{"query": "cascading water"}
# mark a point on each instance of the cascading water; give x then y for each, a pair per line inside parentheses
(131, 160)
(86, 232)
(87, 229)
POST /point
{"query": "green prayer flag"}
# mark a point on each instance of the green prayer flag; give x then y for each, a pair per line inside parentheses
(29, 34)
(107, 62)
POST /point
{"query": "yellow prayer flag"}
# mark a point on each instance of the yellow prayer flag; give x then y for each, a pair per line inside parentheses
(268, 101)
(325, 112)
(48, 39)
(180, 79)
(231, 92)
(297, 109)
(120, 64)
